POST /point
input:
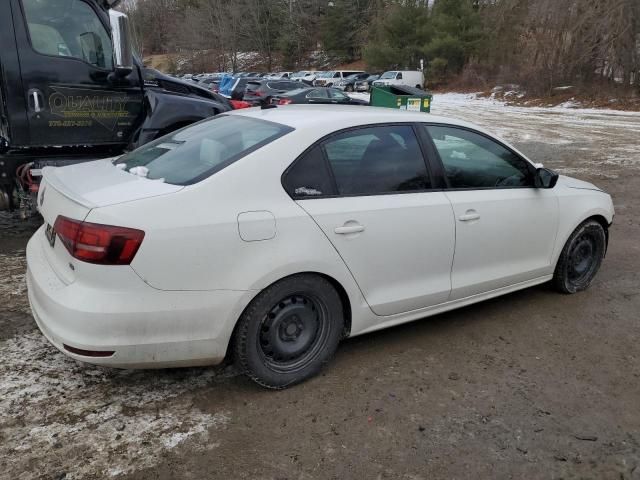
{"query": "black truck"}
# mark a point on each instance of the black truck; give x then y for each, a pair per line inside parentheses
(71, 90)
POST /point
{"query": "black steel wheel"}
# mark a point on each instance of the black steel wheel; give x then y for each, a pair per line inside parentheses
(581, 257)
(289, 331)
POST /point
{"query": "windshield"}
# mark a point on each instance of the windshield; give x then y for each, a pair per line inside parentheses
(196, 152)
(386, 75)
(353, 76)
(326, 74)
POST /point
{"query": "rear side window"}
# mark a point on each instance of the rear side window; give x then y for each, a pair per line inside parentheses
(376, 160)
(366, 161)
(318, 93)
(198, 151)
(310, 176)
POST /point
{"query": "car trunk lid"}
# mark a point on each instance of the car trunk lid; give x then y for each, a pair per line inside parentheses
(75, 190)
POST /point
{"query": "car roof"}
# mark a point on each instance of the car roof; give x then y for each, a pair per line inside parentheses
(325, 119)
(342, 116)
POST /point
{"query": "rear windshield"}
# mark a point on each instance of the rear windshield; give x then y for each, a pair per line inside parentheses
(196, 152)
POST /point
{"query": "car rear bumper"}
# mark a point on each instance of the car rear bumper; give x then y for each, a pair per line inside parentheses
(142, 326)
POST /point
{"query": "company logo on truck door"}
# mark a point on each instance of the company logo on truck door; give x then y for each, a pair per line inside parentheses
(81, 107)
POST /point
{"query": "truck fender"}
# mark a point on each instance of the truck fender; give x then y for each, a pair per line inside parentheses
(166, 112)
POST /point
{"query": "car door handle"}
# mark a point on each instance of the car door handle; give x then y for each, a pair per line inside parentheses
(469, 216)
(36, 100)
(347, 229)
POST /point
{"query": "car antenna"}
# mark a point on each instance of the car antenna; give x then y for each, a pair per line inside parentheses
(268, 106)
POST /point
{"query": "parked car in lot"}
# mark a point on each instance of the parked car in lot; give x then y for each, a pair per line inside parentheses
(315, 95)
(305, 76)
(209, 82)
(261, 92)
(365, 85)
(271, 234)
(410, 78)
(280, 76)
(329, 79)
(349, 83)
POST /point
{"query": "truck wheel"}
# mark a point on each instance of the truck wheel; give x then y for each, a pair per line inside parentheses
(289, 331)
(581, 258)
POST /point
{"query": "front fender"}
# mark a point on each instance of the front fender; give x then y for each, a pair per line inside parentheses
(164, 111)
(576, 206)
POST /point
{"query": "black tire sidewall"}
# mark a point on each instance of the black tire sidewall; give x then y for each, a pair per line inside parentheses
(246, 348)
(561, 274)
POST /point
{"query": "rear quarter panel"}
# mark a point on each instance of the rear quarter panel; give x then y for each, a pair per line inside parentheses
(192, 239)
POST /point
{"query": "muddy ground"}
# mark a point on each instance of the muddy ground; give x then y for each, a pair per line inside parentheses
(531, 385)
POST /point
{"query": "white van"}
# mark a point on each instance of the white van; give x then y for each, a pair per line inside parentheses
(410, 78)
(329, 79)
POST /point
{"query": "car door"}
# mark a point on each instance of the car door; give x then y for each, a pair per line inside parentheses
(369, 191)
(505, 227)
(66, 56)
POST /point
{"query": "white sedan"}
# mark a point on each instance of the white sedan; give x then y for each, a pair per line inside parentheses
(271, 234)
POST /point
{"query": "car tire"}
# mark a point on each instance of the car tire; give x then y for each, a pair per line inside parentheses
(581, 258)
(289, 331)
(349, 88)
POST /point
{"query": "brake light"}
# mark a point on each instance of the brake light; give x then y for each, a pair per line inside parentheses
(285, 101)
(96, 243)
(238, 104)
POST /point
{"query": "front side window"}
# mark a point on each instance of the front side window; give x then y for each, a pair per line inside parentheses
(474, 161)
(338, 95)
(198, 151)
(68, 28)
(377, 160)
(399, 77)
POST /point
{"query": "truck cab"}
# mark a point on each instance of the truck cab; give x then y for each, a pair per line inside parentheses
(71, 90)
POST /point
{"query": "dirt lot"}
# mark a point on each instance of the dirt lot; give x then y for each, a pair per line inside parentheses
(531, 385)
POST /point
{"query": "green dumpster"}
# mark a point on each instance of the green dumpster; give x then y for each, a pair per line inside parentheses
(401, 97)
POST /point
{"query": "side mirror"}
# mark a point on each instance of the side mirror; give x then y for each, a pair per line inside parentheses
(121, 38)
(545, 178)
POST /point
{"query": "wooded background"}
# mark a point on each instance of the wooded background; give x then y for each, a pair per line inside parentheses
(539, 44)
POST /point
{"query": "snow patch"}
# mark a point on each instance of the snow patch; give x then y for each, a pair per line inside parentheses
(59, 415)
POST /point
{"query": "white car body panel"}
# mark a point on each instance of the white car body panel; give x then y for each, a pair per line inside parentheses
(392, 273)
(211, 247)
(511, 241)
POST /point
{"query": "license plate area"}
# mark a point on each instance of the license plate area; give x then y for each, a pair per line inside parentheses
(50, 233)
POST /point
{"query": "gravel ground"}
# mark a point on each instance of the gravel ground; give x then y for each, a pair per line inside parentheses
(530, 385)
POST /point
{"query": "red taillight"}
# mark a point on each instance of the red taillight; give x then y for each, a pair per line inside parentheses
(238, 104)
(95, 243)
(285, 101)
